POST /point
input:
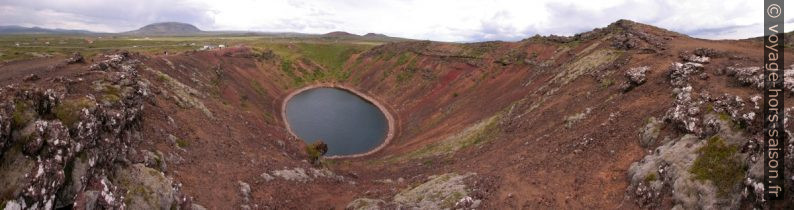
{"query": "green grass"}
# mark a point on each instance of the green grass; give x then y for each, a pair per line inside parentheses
(23, 113)
(407, 63)
(719, 164)
(112, 93)
(32, 46)
(606, 83)
(478, 50)
(258, 88)
(313, 152)
(162, 77)
(330, 56)
(572, 44)
(90, 45)
(404, 58)
(182, 143)
(727, 118)
(651, 177)
(405, 74)
(69, 110)
(289, 70)
(476, 134)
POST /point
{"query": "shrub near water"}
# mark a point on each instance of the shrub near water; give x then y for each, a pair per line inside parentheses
(718, 163)
(316, 150)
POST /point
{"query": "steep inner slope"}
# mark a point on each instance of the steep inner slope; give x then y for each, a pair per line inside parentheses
(547, 122)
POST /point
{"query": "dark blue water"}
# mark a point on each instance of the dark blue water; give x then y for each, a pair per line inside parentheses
(347, 123)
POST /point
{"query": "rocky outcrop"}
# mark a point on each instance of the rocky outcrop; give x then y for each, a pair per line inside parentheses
(147, 188)
(302, 175)
(444, 191)
(76, 58)
(635, 77)
(714, 163)
(73, 149)
(685, 167)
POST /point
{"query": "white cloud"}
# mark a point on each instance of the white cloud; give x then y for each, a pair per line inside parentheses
(443, 20)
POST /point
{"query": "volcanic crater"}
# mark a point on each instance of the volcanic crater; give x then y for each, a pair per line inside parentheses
(627, 116)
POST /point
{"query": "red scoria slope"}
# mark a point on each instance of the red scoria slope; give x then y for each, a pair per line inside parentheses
(547, 122)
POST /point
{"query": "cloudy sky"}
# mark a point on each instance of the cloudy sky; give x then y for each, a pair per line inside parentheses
(441, 20)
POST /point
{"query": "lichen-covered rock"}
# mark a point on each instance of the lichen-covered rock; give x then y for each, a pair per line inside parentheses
(297, 174)
(75, 58)
(635, 77)
(668, 166)
(680, 72)
(467, 203)
(753, 76)
(708, 52)
(650, 132)
(700, 173)
(31, 78)
(746, 75)
(75, 180)
(687, 57)
(197, 207)
(58, 147)
(119, 61)
(245, 191)
(303, 175)
(446, 191)
(439, 192)
(146, 188)
(685, 112)
(629, 37)
(366, 204)
(625, 41)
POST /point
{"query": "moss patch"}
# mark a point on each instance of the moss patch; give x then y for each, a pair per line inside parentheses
(182, 143)
(606, 83)
(69, 110)
(719, 164)
(112, 93)
(23, 114)
(651, 177)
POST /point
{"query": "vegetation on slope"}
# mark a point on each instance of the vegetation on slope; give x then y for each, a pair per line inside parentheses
(718, 163)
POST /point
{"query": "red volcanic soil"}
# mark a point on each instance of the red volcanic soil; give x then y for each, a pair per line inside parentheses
(533, 160)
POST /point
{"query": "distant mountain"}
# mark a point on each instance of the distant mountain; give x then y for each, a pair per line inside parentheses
(369, 36)
(376, 35)
(185, 29)
(13, 29)
(167, 28)
(787, 39)
(340, 34)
